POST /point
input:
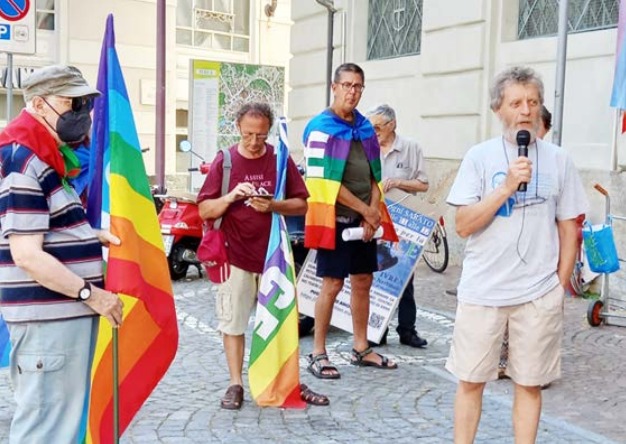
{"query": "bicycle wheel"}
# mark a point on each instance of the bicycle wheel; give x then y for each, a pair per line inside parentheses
(576, 280)
(436, 253)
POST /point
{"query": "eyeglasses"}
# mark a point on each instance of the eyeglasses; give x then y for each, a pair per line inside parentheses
(347, 86)
(82, 104)
(249, 136)
(382, 125)
(78, 104)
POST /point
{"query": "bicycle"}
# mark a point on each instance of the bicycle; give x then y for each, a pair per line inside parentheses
(436, 252)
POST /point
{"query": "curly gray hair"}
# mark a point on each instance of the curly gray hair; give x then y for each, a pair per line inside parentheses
(516, 74)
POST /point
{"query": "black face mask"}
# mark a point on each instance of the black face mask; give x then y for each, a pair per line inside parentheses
(73, 126)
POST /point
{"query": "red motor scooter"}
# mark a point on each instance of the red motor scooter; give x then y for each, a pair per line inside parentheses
(181, 227)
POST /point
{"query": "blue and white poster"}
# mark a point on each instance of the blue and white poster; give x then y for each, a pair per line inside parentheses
(396, 264)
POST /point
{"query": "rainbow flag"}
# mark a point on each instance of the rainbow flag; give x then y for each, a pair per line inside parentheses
(5, 344)
(618, 95)
(274, 372)
(137, 269)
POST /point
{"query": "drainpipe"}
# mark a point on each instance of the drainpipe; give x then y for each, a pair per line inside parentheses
(160, 97)
(330, 6)
(561, 61)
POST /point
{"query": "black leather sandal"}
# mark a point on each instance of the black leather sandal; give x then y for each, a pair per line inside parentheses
(320, 371)
(357, 359)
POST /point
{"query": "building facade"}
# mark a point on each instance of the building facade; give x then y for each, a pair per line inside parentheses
(433, 60)
(71, 32)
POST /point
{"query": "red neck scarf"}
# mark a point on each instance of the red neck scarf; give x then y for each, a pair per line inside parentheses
(29, 132)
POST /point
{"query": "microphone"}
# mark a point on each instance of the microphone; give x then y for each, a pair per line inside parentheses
(523, 139)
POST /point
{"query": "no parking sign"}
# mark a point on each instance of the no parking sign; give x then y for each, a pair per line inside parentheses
(17, 26)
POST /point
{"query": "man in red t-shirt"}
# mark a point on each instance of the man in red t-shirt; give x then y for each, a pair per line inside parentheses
(246, 223)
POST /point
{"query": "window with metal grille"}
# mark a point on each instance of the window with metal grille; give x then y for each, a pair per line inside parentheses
(45, 14)
(214, 24)
(394, 28)
(540, 17)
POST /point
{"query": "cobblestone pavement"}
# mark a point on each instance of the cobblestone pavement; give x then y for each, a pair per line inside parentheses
(411, 404)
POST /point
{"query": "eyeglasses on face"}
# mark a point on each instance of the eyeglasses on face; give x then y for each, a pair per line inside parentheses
(347, 86)
(382, 125)
(250, 136)
(82, 104)
(78, 104)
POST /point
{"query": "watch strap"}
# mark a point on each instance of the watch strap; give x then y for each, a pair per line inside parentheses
(87, 286)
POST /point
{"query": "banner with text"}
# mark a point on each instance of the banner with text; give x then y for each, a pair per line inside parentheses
(396, 264)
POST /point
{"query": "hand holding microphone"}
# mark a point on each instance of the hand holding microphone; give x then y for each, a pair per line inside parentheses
(523, 139)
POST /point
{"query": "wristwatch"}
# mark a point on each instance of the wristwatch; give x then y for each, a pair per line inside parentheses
(85, 292)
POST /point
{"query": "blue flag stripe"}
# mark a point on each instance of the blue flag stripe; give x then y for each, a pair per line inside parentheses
(5, 344)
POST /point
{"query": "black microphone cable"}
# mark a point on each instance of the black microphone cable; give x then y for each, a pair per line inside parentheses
(523, 198)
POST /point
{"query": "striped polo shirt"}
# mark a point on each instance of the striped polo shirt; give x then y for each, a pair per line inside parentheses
(34, 201)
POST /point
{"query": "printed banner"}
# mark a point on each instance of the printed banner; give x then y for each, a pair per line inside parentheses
(396, 263)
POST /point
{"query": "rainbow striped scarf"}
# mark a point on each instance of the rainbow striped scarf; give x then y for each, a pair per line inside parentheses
(327, 141)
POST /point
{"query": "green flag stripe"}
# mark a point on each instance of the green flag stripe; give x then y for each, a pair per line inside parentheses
(127, 161)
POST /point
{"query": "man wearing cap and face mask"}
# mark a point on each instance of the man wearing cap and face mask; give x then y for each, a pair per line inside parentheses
(51, 278)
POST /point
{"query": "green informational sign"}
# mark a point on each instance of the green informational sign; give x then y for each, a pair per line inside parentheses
(217, 91)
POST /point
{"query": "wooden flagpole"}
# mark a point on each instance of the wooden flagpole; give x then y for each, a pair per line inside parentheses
(116, 388)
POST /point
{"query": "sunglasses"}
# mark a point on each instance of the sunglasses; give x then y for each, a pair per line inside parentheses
(82, 104)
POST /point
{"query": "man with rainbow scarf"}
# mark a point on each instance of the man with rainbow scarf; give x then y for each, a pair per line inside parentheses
(51, 280)
(343, 177)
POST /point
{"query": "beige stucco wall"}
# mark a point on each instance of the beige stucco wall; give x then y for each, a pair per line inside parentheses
(441, 95)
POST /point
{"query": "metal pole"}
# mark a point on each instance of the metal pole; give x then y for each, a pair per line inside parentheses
(329, 54)
(616, 126)
(561, 60)
(160, 98)
(9, 86)
(329, 5)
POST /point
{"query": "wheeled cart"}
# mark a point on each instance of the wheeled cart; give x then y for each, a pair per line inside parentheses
(610, 308)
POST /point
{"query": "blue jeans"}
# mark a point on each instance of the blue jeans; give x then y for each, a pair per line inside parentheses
(50, 369)
(407, 310)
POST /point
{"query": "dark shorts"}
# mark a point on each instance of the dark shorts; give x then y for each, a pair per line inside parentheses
(352, 257)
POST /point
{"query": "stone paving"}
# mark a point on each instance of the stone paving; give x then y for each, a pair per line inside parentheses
(411, 404)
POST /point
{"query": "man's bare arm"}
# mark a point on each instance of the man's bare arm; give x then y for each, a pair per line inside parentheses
(28, 254)
(474, 217)
(408, 185)
(568, 247)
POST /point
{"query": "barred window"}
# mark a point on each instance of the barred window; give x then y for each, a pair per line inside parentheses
(394, 28)
(215, 24)
(45, 14)
(539, 18)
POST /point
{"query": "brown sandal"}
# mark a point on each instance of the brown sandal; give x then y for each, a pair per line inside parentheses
(310, 397)
(233, 398)
(320, 371)
(358, 360)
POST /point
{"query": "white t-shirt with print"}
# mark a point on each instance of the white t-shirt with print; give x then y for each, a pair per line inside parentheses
(514, 259)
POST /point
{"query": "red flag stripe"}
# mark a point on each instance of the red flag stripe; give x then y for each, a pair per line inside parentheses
(134, 248)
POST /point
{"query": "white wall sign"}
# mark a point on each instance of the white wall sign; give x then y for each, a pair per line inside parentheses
(17, 26)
